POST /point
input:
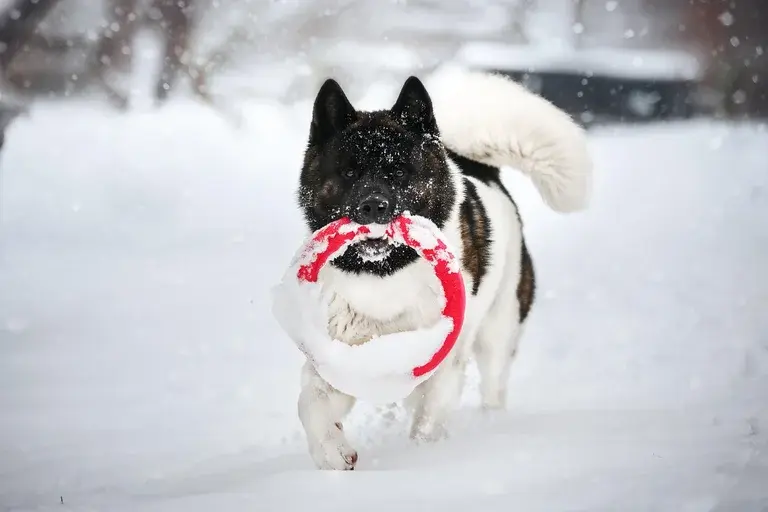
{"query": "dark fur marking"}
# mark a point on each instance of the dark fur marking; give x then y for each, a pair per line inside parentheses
(526, 286)
(491, 176)
(400, 257)
(484, 173)
(475, 235)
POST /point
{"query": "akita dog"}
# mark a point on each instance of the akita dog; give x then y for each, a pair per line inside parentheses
(439, 155)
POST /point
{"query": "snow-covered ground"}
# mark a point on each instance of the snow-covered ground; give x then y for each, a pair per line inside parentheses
(141, 369)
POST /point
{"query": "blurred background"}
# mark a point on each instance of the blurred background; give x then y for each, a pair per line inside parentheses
(602, 60)
(147, 206)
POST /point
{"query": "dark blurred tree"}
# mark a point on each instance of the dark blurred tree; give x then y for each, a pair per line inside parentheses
(40, 64)
(175, 18)
(114, 49)
(733, 35)
(17, 26)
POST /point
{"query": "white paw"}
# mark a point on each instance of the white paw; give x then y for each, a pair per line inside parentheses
(333, 453)
(495, 400)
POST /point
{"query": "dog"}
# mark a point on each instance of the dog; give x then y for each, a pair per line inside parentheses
(437, 153)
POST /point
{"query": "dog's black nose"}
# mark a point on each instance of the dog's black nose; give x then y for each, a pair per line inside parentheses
(374, 209)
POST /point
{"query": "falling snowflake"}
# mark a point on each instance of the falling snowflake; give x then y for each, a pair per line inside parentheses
(726, 18)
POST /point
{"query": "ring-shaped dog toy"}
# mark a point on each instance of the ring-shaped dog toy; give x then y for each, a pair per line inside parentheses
(385, 368)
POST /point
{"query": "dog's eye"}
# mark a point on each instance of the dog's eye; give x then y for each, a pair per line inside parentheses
(349, 173)
(399, 173)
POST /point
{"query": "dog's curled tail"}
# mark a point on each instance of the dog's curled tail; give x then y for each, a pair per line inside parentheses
(493, 120)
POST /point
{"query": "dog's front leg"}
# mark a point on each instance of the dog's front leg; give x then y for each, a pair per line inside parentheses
(321, 410)
(435, 398)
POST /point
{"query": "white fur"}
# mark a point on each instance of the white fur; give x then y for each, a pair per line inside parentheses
(494, 121)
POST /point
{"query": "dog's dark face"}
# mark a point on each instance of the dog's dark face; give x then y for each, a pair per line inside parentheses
(372, 167)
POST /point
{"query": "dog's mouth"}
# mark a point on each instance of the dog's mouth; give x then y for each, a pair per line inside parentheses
(374, 249)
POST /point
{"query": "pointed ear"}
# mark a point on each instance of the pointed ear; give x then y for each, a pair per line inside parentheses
(414, 108)
(332, 112)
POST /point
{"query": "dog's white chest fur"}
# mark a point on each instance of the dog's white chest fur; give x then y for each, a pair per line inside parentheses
(364, 305)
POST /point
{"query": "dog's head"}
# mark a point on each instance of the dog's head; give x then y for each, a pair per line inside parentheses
(372, 167)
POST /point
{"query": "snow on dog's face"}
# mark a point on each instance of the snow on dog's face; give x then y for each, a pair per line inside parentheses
(372, 167)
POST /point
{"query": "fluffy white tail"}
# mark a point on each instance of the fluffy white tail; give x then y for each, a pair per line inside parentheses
(493, 120)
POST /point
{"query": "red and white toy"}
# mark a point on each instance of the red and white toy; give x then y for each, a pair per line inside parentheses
(387, 368)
